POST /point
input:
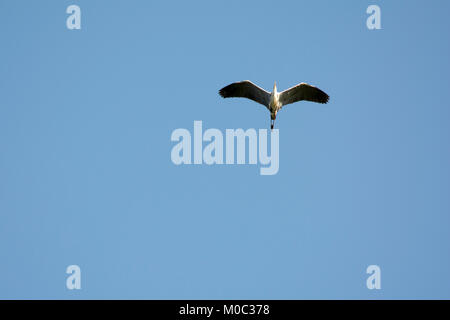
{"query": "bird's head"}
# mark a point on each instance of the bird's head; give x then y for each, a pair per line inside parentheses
(275, 87)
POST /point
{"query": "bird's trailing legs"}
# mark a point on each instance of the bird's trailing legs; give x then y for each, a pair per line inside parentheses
(272, 123)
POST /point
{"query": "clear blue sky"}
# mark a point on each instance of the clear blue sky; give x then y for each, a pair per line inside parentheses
(86, 176)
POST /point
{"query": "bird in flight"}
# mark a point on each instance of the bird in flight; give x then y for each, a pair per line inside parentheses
(274, 101)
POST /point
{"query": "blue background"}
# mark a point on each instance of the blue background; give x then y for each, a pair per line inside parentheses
(86, 176)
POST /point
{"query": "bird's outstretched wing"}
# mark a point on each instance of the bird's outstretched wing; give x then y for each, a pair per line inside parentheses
(246, 89)
(301, 92)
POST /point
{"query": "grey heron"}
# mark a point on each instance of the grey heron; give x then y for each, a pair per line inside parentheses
(274, 100)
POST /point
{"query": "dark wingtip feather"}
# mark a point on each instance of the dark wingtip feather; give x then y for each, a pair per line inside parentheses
(223, 92)
(323, 98)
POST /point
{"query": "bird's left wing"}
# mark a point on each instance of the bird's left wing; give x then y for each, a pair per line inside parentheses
(301, 92)
(246, 89)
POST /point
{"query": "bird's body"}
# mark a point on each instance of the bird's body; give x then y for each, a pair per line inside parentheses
(274, 101)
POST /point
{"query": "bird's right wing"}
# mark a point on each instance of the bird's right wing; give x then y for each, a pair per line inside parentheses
(303, 91)
(246, 89)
